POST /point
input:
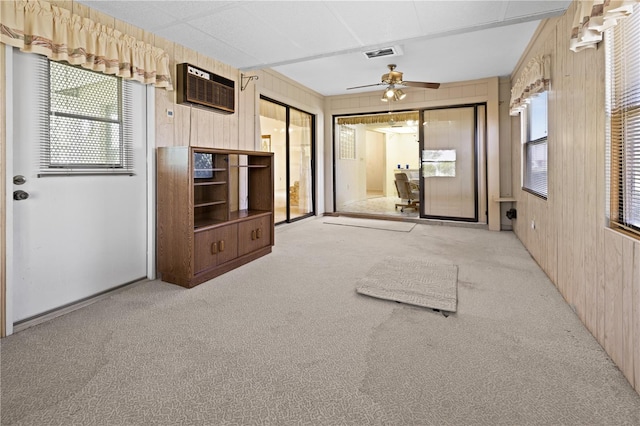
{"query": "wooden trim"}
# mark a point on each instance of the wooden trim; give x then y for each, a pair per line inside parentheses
(3, 198)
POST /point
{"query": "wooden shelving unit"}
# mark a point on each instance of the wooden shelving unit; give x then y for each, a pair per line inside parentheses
(203, 228)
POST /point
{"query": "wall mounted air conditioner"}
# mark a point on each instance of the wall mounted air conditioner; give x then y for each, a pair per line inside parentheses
(205, 89)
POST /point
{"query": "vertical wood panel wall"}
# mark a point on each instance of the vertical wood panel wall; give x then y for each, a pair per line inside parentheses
(595, 269)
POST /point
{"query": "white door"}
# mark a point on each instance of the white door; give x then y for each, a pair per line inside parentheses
(74, 236)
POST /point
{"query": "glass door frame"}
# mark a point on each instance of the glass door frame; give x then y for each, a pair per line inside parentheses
(288, 109)
(476, 159)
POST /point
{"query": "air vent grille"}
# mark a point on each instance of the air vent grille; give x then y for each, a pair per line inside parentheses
(202, 88)
(385, 51)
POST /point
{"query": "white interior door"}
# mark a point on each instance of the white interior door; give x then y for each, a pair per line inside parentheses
(74, 236)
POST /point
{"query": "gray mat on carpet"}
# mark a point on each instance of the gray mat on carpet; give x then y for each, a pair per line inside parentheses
(386, 225)
(412, 281)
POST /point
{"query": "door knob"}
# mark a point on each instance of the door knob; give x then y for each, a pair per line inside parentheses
(20, 195)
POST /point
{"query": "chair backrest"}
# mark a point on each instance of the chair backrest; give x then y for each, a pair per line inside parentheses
(402, 186)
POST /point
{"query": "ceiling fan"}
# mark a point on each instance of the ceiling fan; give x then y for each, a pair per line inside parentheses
(394, 78)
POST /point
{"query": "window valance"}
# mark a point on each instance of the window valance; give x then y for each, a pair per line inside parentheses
(379, 118)
(534, 79)
(593, 17)
(39, 27)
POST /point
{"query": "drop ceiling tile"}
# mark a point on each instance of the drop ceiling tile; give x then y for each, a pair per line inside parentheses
(436, 17)
(248, 33)
(197, 40)
(376, 23)
(312, 26)
(184, 10)
(142, 14)
(518, 9)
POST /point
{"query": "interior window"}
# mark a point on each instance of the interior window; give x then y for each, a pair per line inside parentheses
(534, 177)
(88, 128)
(623, 120)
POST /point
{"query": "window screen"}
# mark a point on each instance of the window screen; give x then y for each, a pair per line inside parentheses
(623, 110)
(535, 148)
(89, 127)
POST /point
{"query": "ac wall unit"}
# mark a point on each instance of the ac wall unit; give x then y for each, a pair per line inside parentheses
(205, 89)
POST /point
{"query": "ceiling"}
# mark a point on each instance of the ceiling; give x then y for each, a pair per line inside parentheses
(320, 44)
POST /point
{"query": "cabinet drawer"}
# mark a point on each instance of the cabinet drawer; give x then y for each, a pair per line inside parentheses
(215, 246)
(254, 234)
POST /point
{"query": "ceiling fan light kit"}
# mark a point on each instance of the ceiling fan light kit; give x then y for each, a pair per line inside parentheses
(394, 78)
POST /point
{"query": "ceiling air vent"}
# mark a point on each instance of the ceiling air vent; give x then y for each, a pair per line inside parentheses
(385, 51)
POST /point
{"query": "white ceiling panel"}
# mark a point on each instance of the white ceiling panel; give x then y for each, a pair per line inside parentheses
(521, 9)
(188, 9)
(320, 44)
(318, 30)
(373, 23)
(440, 17)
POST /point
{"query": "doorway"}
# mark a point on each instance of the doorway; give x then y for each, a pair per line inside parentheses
(439, 153)
(74, 236)
(289, 133)
(370, 150)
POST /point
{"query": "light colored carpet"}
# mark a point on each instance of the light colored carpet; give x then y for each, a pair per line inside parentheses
(412, 281)
(285, 340)
(385, 225)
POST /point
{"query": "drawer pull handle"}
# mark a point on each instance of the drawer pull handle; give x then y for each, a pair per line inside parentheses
(253, 234)
(258, 233)
(221, 245)
(214, 248)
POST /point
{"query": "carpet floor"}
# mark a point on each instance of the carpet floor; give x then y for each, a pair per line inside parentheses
(286, 340)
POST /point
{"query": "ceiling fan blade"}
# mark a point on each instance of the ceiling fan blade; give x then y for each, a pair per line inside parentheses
(421, 84)
(367, 85)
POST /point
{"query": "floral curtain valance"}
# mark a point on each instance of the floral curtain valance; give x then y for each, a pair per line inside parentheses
(37, 26)
(534, 79)
(593, 17)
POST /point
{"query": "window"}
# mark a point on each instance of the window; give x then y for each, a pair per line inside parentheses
(347, 143)
(439, 163)
(623, 119)
(534, 177)
(88, 122)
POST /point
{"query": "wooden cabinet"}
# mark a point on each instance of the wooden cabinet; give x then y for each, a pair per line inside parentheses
(215, 211)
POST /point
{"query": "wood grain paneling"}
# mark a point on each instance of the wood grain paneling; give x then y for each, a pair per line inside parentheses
(596, 269)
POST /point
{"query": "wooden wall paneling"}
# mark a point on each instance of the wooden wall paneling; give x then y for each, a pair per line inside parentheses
(550, 226)
(635, 305)
(613, 296)
(628, 256)
(598, 65)
(166, 100)
(183, 127)
(590, 202)
(578, 155)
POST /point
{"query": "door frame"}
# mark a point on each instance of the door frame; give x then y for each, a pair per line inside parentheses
(478, 160)
(7, 309)
(288, 108)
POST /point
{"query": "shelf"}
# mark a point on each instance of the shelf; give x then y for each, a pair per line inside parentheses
(218, 169)
(250, 166)
(241, 214)
(505, 200)
(202, 225)
(210, 183)
(212, 203)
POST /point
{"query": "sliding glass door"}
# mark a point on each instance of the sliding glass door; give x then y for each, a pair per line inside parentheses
(288, 133)
(449, 163)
